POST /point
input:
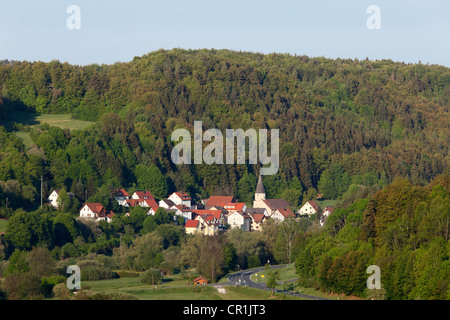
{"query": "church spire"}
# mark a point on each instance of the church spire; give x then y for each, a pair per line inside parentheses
(260, 186)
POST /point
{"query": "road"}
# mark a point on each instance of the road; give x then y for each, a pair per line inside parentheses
(243, 278)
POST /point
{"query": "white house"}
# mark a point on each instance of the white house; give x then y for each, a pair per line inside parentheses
(121, 195)
(92, 211)
(142, 195)
(180, 198)
(209, 224)
(258, 220)
(192, 226)
(325, 214)
(183, 211)
(54, 197)
(239, 219)
(281, 214)
(309, 208)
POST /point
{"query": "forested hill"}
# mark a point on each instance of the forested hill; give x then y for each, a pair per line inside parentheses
(343, 123)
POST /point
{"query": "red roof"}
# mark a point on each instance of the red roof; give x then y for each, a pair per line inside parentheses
(121, 192)
(183, 195)
(144, 195)
(151, 203)
(286, 213)
(95, 207)
(218, 200)
(132, 202)
(191, 224)
(233, 205)
(215, 213)
(257, 217)
(314, 205)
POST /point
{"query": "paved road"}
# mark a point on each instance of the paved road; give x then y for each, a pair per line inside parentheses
(243, 278)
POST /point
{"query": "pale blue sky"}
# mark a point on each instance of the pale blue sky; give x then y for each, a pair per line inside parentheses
(120, 30)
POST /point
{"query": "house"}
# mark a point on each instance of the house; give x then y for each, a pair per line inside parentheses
(257, 221)
(120, 195)
(180, 198)
(130, 203)
(184, 211)
(239, 219)
(269, 204)
(92, 211)
(257, 210)
(209, 224)
(200, 281)
(166, 203)
(149, 203)
(309, 208)
(142, 195)
(233, 206)
(217, 201)
(53, 198)
(216, 213)
(281, 214)
(109, 216)
(192, 226)
(325, 214)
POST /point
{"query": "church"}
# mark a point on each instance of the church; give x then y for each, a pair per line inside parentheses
(271, 205)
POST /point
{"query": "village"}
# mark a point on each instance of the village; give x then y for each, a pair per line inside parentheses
(210, 216)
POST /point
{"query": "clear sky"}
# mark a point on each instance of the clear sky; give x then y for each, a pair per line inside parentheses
(111, 31)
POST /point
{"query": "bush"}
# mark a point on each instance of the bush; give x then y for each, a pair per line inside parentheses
(61, 291)
(151, 276)
(22, 286)
(69, 250)
(94, 270)
(48, 283)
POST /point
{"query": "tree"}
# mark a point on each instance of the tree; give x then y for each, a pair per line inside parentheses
(211, 259)
(287, 233)
(151, 178)
(41, 262)
(151, 276)
(272, 277)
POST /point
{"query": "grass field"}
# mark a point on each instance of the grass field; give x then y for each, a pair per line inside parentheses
(3, 224)
(177, 289)
(63, 121)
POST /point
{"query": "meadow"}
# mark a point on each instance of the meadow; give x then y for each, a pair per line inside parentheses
(20, 122)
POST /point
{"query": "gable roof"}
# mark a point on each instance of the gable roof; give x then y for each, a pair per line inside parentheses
(286, 213)
(314, 205)
(132, 202)
(151, 203)
(275, 204)
(144, 194)
(121, 193)
(191, 224)
(182, 195)
(169, 203)
(232, 205)
(94, 207)
(215, 213)
(217, 200)
(257, 217)
(255, 210)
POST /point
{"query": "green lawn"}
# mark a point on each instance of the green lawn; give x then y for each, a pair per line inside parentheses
(3, 224)
(177, 289)
(63, 121)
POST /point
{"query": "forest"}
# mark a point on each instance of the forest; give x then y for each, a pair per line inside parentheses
(373, 135)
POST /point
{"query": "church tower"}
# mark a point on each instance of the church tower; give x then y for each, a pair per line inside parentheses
(260, 193)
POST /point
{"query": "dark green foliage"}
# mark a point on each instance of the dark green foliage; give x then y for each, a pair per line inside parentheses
(151, 276)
